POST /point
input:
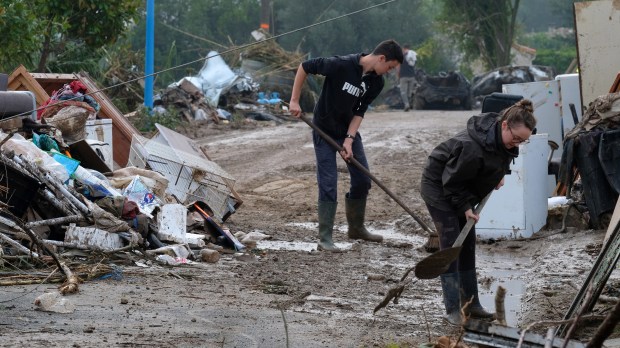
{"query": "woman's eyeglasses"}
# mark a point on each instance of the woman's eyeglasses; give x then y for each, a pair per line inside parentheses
(517, 139)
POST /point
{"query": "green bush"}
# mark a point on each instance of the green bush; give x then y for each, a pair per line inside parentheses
(434, 56)
(559, 59)
(552, 49)
(145, 119)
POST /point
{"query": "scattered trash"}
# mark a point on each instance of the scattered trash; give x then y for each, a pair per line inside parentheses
(54, 302)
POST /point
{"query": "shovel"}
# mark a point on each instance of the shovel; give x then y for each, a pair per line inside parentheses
(363, 169)
(438, 263)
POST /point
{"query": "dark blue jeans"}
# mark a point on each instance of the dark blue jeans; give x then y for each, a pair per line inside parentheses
(448, 226)
(327, 171)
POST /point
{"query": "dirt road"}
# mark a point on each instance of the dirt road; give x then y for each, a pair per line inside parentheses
(284, 290)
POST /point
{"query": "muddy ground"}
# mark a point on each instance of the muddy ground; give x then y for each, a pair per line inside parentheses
(286, 291)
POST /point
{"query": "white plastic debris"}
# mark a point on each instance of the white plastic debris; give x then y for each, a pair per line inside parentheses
(255, 237)
(178, 250)
(172, 261)
(93, 237)
(54, 302)
(557, 201)
(172, 223)
(195, 240)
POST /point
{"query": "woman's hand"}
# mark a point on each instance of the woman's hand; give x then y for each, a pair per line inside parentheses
(469, 214)
(501, 183)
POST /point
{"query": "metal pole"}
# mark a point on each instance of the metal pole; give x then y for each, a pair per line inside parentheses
(149, 59)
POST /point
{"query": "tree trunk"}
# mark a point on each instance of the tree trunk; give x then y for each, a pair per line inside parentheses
(45, 51)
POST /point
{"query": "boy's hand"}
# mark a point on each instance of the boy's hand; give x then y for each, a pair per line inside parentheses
(347, 151)
(295, 109)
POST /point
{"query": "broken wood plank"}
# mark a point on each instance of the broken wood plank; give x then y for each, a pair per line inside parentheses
(17, 246)
(615, 219)
(56, 221)
(21, 80)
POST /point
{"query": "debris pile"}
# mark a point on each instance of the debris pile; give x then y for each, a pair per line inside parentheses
(64, 190)
(256, 88)
(592, 148)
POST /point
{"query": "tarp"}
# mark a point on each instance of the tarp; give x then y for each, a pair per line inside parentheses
(216, 78)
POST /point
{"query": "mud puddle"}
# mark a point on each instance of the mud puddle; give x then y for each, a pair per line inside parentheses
(389, 235)
(505, 272)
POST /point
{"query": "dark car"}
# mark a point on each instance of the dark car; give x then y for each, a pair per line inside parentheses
(492, 81)
(447, 90)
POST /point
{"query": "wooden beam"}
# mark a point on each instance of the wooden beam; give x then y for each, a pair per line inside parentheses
(21, 80)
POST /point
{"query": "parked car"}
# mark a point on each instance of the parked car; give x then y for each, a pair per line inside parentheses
(447, 90)
(491, 81)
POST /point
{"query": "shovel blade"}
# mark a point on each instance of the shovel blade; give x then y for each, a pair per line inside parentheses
(437, 263)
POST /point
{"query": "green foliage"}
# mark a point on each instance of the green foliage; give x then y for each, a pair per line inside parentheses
(144, 120)
(20, 37)
(91, 22)
(554, 50)
(549, 40)
(548, 14)
(237, 121)
(559, 59)
(42, 29)
(186, 30)
(481, 28)
(404, 21)
(94, 22)
(435, 56)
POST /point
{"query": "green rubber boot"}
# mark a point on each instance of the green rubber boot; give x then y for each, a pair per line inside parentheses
(327, 213)
(356, 211)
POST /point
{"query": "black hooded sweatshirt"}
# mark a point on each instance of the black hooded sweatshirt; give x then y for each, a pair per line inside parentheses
(461, 171)
(346, 92)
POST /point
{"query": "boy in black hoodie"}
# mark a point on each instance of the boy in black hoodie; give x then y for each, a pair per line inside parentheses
(352, 82)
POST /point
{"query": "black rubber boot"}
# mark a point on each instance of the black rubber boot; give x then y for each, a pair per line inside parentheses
(327, 213)
(469, 285)
(356, 211)
(451, 298)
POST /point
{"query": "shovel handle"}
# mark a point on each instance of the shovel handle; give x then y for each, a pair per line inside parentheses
(470, 222)
(363, 169)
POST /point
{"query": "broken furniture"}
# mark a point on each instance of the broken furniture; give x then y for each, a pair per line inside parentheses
(43, 84)
(191, 175)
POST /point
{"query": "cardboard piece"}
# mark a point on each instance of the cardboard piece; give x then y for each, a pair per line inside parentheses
(88, 158)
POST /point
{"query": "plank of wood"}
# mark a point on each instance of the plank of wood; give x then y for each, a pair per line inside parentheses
(615, 218)
(615, 87)
(21, 80)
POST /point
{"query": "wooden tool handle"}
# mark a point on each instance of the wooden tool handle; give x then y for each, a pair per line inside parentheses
(363, 169)
(470, 222)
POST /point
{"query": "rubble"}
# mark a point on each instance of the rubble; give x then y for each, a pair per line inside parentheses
(252, 85)
(63, 193)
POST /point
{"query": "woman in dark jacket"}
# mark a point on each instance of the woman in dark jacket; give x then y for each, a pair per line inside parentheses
(459, 173)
